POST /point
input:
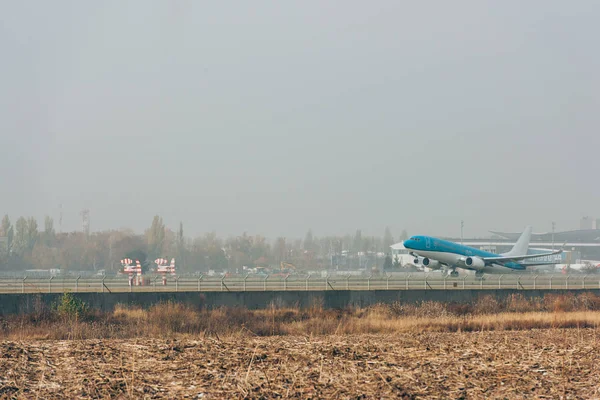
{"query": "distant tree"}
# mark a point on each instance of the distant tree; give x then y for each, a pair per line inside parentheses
(21, 238)
(120, 244)
(49, 234)
(26, 236)
(388, 239)
(397, 263)
(403, 235)
(43, 257)
(32, 233)
(74, 251)
(197, 256)
(169, 245)
(357, 242)
(207, 253)
(8, 233)
(388, 264)
(218, 259)
(366, 244)
(155, 237)
(309, 241)
(180, 257)
(5, 225)
(139, 255)
(180, 235)
(259, 248)
(280, 250)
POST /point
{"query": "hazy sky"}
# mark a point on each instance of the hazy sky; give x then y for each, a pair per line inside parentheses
(274, 117)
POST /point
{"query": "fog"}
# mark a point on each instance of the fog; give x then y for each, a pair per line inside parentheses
(276, 117)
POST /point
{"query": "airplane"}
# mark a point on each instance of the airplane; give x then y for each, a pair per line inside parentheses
(438, 253)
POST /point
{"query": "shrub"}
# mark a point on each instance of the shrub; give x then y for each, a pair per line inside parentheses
(487, 305)
(516, 302)
(589, 301)
(559, 302)
(459, 309)
(174, 317)
(71, 308)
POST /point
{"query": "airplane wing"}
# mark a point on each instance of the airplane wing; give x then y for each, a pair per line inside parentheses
(519, 258)
(536, 264)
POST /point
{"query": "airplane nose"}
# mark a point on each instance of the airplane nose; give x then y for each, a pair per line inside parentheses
(407, 243)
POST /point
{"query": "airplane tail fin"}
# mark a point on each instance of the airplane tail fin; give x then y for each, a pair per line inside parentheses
(522, 246)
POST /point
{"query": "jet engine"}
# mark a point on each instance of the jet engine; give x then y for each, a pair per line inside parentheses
(433, 264)
(474, 262)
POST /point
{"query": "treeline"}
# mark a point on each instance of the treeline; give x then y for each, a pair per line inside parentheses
(25, 245)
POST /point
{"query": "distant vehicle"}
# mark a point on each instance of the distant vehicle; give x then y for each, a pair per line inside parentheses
(286, 268)
(438, 253)
(585, 266)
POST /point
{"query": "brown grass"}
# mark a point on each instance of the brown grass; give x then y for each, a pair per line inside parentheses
(549, 364)
(518, 348)
(168, 319)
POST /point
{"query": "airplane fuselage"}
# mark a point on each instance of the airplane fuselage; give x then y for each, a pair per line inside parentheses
(455, 255)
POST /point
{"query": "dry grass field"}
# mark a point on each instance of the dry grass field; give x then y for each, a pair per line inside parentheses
(544, 348)
(553, 363)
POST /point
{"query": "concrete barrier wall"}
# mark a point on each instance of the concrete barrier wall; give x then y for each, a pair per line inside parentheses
(27, 303)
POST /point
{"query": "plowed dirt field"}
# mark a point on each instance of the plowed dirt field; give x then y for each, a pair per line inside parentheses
(517, 364)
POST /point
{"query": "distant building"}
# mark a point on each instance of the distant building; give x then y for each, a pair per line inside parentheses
(583, 243)
(587, 223)
(400, 253)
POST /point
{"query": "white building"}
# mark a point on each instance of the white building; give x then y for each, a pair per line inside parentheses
(400, 253)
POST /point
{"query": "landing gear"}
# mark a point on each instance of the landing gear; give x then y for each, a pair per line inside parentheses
(479, 274)
(453, 273)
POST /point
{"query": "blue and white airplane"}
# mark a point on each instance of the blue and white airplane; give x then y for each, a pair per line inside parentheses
(438, 253)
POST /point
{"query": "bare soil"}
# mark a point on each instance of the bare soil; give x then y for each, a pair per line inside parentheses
(551, 363)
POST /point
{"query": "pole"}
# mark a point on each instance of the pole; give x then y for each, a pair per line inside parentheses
(331, 253)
